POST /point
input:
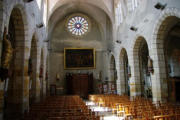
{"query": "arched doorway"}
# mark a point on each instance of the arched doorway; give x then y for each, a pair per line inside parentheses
(113, 76)
(13, 103)
(143, 78)
(169, 33)
(32, 70)
(124, 73)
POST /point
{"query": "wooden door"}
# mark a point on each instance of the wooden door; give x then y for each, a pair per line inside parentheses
(80, 85)
(84, 88)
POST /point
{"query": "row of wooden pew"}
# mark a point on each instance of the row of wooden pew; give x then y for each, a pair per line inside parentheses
(61, 108)
(138, 108)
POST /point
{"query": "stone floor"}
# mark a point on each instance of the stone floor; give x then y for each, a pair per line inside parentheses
(104, 112)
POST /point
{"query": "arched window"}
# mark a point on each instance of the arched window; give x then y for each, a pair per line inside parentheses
(119, 14)
(39, 2)
(129, 5)
(132, 5)
(45, 12)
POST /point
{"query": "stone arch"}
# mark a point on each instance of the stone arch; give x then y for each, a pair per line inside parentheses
(161, 24)
(137, 85)
(32, 69)
(18, 80)
(168, 19)
(124, 78)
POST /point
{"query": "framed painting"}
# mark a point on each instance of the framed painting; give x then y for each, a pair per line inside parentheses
(79, 58)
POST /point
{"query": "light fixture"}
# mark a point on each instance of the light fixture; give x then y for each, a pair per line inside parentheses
(160, 6)
(28, 1)
(40, 25)
(133, 28)
(118, 41)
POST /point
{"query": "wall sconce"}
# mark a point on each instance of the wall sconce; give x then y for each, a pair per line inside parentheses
(133, 28)
(150, 65)
(160, 6)
(118, 41)
(129, 71)
(39, 25)
(28, 1)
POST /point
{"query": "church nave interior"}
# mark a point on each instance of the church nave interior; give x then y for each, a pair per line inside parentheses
(89, 60)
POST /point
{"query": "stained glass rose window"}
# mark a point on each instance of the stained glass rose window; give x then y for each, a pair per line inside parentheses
(78, 25)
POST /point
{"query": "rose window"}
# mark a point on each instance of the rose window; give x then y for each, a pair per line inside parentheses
(78, 25)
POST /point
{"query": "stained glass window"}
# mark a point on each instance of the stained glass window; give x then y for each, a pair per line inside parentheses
(78, 25)
(119, 14)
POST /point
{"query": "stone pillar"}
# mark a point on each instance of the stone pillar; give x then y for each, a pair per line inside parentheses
(119, 80)
(36, 90)
(122, 77)
(44, 77)
(159, 77)
(135, 84)
(26, 80)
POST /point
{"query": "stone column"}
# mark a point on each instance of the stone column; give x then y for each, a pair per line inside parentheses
(44, 77)
(159, 77)
(122, 77)
(135, 84)
(36, 90)
(118, 81)
(26, 80)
